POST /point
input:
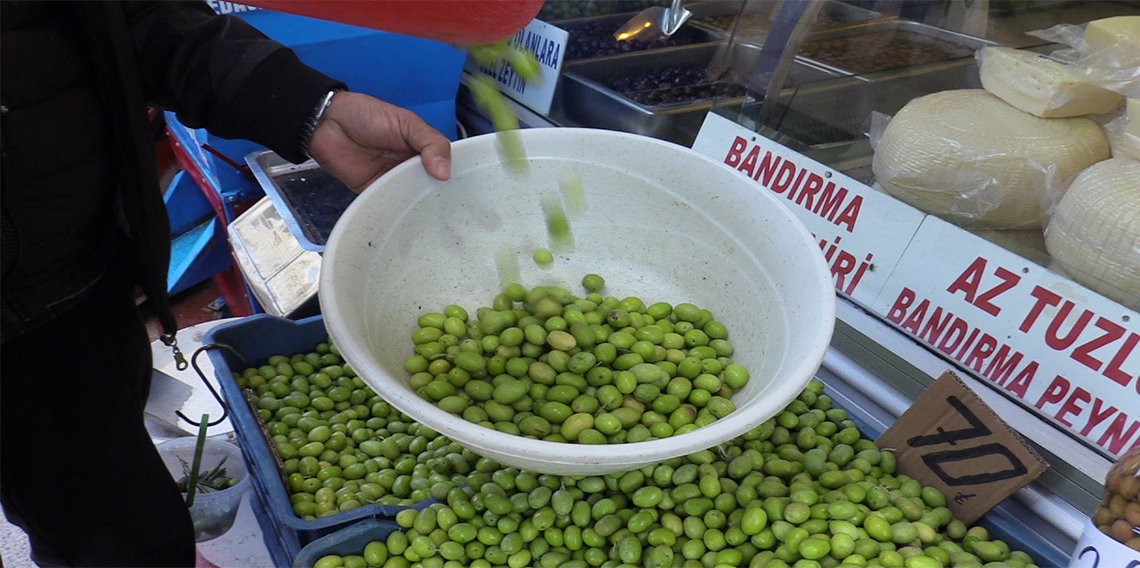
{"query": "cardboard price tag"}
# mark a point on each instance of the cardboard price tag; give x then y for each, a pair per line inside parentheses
(951, 440)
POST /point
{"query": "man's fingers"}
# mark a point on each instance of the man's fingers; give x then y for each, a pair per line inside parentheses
(433, 147)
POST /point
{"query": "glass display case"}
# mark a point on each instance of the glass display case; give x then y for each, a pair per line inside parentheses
(929, 146)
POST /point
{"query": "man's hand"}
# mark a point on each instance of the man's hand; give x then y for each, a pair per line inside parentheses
(359, 138)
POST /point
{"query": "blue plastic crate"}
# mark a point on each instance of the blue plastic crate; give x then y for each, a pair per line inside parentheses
(278, 551)
(293, 541)
(256, 338)
(348, 541)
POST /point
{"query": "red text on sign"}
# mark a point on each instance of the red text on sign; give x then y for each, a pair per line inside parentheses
(1011, 370)
(1069, 400)
(955, 337)
(806, 189)
(970, 284)
(845, 267)
(1070, 332)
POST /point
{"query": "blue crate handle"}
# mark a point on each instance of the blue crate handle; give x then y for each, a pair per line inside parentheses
(202, 376)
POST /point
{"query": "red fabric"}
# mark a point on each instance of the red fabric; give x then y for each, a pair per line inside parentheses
(458, 22)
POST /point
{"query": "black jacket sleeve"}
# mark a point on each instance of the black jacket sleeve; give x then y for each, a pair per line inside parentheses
(220, 73)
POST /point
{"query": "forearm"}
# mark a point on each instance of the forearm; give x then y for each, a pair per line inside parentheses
(220, 73)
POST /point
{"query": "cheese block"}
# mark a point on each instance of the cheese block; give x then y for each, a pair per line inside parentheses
(970, 157)
(1094, 234)
(1042, 86)
(1120, 34)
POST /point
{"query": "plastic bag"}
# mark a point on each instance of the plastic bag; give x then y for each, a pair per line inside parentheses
(1119, 513)
(879, 123)
(1116, 68)
(968, 173)
(1124, 144)
(975, 194)
(1112, 535)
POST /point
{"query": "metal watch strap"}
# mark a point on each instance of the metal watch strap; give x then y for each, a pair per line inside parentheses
(311, 124)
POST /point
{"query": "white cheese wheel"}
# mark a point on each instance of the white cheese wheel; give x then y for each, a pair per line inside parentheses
(970, 157)
(1041, 86)
(1094, 234)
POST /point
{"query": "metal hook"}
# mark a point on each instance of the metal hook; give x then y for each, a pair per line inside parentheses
(171, 341)
(201, 375)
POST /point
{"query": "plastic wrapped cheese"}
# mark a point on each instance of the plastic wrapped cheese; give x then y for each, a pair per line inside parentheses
(1124, 132)
(1094, 235)
(1120, 34)
(1042, 86)
(968, 156)
(1108, 50)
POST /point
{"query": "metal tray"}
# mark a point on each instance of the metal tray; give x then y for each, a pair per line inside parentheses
(969, 43)
(583, 98)
(698, 35)
(598, 8)
(309, 199)
(831, 15)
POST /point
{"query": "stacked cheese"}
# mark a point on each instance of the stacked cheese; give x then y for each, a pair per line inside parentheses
(1112, 46)
(1001, 158)
(1115, 41)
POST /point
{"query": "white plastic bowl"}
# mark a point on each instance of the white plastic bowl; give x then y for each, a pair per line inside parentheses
(213, 512)
(664, 224)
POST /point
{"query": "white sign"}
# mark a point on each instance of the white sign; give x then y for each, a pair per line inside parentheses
(1051, 344)
(861, 232)
(1098, 550)
(548, 44)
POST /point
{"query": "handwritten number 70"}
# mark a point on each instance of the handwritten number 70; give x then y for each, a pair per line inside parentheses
(976, 429)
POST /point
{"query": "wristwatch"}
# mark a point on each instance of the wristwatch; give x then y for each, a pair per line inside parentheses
(314, 119)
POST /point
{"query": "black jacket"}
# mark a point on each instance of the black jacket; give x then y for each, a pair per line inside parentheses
(80, 191)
